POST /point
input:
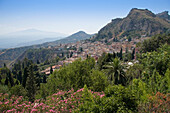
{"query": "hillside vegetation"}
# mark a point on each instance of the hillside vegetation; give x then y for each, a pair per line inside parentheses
(110, 85)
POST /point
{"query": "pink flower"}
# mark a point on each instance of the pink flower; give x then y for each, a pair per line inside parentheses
(9, 111)
(27, 105)
(33, 110)
(6, 102)
(19, 105)
(102, 96)
(51, 110)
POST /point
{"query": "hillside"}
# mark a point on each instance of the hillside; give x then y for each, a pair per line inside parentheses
(164, 15)
(11, 55)
(138, 22)
(81, 35)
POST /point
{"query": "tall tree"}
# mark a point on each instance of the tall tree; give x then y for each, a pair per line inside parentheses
(38, 62)
(133, 54)
(121, 54)
(19, 76)
(25, 75)
(31, 84)
(44, 79)
(6, 81)
(38, 78)
(0, 79)
(4, 64)
(51, 70)
(11, 80)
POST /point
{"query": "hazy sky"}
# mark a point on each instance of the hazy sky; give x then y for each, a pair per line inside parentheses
(69, 16)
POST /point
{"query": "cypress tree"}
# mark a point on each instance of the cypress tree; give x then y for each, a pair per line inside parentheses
(133, 54)
(4, 65)
(6, 81)
(16, 83)
(120, 55)
(114, 55)
(51, 70)
(31, 84)
(38, 79)
(10, 78)
(38, 62)
(0, 79)
(25, 75)
(44, 79)
(19, 77)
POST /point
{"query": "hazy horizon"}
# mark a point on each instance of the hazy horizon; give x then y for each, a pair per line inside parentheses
(69, 16)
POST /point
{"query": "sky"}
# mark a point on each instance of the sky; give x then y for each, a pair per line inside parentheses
(69, 16)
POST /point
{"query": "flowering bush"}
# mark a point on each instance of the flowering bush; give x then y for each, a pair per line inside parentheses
(157, 103)
(62, 101)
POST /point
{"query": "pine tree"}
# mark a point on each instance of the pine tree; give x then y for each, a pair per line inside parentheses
(38, 62)
(19, 77)
(10, 78)
(133, 54)
(44, 79)
(0, 79)
(6, 81)
(51, 70)
(120, 55)
(4, 65)
(16, 83)
(114, 55)
(38, 79)
(31, 84)
(25, 75)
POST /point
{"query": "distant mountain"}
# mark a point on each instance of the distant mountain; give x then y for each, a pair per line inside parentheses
(35, 32)
(9, 56)
(138, 22)
(81, 35)
(40, 41)
(15, 39)
(164, 15)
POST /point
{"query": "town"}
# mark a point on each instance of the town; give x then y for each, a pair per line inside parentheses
(82, 49)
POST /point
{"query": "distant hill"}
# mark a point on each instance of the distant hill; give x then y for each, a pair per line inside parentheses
(164, 15)
(13, 54)
(27, 37)
(138, 22)
(40, 41)
(81, 35)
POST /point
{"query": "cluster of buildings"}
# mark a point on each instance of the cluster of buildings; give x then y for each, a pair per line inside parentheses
(93, 49)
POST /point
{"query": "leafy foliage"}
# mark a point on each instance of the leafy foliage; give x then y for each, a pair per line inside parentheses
(76, 75)
(116, 72)
(143, 86)
(155, 42)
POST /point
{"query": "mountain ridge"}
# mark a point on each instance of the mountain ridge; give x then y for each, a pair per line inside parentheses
(164, 15)
(138, 22)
